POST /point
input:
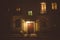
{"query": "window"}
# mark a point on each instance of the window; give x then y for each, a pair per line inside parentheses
(18, 9)
(54, 6)
(30, 13)
(43, 7)
(18, 23)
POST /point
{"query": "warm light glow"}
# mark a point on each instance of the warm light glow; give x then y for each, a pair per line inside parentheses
(30, 28)
(54, 6)
(43, 7)
(27, 28)
(37, 26)
(33, 35)
(24, 27)
(28, 22)
(30, 13)
(18, 9)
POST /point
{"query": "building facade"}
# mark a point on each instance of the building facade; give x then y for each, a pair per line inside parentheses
(33, 17)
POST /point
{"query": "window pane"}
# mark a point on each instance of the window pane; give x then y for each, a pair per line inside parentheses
(30, 13)
(43, 7)
(18, 9)
(54, 6)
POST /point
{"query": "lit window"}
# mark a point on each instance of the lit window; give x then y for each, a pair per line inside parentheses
(43, 7)
(30, 13)
(18, 9)
(54, 6)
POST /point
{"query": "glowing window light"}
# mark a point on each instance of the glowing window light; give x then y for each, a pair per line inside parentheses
(18, 9)
(37, 26)
(30, 13)
(54, 6)
(43, 7)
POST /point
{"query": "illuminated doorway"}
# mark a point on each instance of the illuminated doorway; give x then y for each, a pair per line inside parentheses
(31, 26)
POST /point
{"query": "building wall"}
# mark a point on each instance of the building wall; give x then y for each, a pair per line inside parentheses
(49, 18)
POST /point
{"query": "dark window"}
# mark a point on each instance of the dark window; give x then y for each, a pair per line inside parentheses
(17, 23)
